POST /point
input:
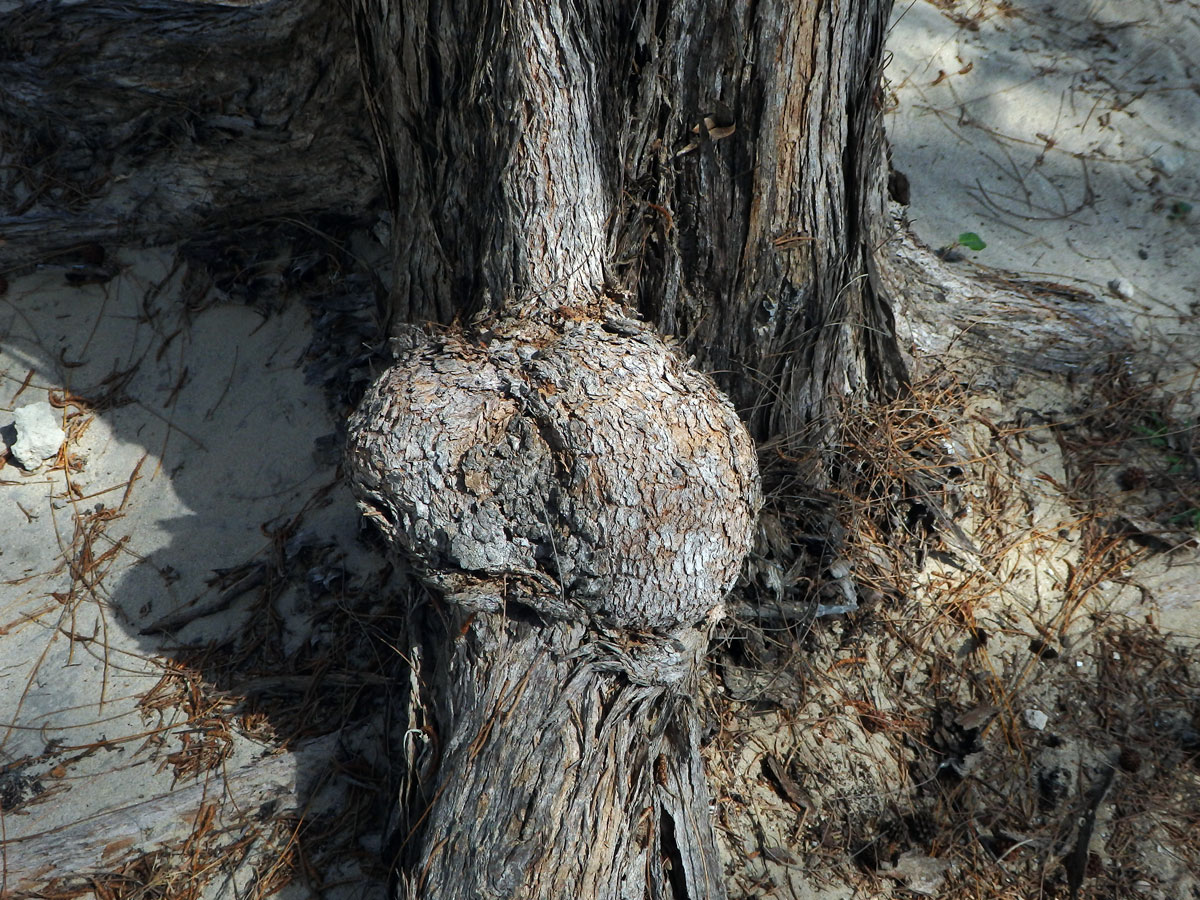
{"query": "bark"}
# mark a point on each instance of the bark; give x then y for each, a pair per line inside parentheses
(148, 123)
(563, 778)
(1004, 324)
(719, 163)
(582, 499)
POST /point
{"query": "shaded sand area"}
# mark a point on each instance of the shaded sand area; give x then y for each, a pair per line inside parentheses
(167, 663)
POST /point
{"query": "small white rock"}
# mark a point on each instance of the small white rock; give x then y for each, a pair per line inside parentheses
(1035, 719)
(1121, 288)
(38, 435)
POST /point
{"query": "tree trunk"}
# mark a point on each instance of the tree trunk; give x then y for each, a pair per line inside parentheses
(581, 497)
(556, 166)
(583, 500)
(720, 165)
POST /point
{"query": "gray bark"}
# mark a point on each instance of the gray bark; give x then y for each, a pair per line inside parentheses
(580, 498)
(563, 778)
(152, 122)
(583, 500)
(718, 163)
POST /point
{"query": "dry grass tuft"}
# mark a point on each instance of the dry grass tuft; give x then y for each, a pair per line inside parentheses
(994, 720)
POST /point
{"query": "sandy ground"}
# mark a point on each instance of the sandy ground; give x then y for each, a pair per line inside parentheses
(183, 590)
(191, 477)
(1067, 137)
(1016, 713)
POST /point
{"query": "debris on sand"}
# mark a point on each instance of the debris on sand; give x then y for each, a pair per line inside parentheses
(38, 435)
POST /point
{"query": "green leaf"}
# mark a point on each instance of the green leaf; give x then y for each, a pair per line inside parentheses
(1155, 434)
(1189, 519)
(971, 240)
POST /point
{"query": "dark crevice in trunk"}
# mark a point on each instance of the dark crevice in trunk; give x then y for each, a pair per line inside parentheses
(864, 169)
(672, 861)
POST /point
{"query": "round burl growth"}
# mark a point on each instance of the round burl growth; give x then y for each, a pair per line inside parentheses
(578, 471)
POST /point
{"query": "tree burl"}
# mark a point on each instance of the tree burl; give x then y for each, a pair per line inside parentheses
(568, 463)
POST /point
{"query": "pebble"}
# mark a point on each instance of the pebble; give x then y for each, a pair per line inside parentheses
(1035, 719)
(39, 436)
(1121, 288)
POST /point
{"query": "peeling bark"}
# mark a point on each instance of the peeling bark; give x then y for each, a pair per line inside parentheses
(719, 163)
(716, 167)
(584, 501)
(581, 473)
(562, 777)
(581, 498)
